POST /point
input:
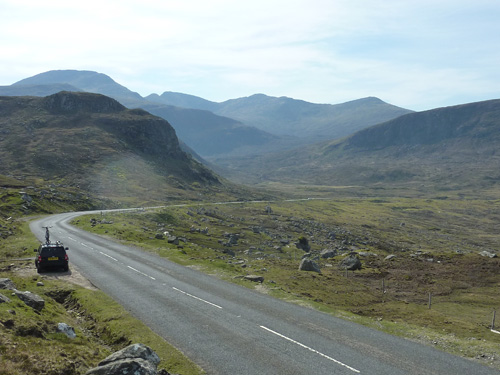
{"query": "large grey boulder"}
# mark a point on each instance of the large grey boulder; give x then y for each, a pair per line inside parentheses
(351, 262)
(309, 265)
(31, 299)
(135, 366)
(328, 253)
(135, 359)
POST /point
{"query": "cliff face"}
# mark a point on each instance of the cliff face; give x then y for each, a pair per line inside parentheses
(90, 139)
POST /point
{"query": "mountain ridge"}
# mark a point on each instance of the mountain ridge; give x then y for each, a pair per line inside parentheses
(287, 122)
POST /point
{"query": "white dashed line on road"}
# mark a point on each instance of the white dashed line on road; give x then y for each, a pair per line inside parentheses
(109, 256)
(198, 298)
(141, 273)
(310, 349)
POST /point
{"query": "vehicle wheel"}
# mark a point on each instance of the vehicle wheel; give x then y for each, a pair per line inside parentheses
(39, 270)
(66, 268)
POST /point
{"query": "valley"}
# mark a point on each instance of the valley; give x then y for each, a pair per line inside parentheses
(413, 196)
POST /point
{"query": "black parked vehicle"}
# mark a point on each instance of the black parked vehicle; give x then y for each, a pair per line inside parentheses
(51, 255)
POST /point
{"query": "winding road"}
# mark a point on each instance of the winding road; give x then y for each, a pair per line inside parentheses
(228, 329)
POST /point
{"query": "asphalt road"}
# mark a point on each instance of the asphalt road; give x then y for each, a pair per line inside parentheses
(227, 329)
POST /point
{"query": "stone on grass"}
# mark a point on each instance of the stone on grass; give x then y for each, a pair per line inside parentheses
(351, 262)
(254, 278)
(309, 265)
(66, 329)
(31, 299)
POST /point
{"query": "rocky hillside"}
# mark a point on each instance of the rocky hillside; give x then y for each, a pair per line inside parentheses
(93, 142)
(446, 148)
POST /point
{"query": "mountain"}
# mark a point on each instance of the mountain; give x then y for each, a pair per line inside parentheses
(182, 100)
(211, 135)
(93, 142)
(83, 80)
(446, 148)
(298, 118)
(204, 132)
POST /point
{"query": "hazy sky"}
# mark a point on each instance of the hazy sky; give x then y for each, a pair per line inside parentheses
(417, 54)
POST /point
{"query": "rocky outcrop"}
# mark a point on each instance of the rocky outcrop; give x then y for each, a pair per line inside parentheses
(135, 359)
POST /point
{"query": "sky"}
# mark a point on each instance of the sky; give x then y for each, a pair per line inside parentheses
(416, 54)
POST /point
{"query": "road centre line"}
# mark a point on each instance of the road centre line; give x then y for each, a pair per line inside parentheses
(198, 298)
(72, 239)
(109, 256)
(142, 273)
(310, 349)
(81, 243)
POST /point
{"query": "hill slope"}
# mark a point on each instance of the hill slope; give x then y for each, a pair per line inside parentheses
(446, 148)
(92, 141)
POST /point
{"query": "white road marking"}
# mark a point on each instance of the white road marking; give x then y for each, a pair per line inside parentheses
(91, 248)
(310, 349)
(198, 298)
(109, 256)
(72, 239)
(142, 273)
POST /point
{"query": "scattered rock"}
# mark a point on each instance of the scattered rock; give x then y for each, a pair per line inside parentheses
(159, 236)
(31, 299)
(390, 257)
(488, 254)
(351, 262)
(4, 299)
(7, 284)
(328, 253)
(40, 283)
(136, 359)
(309, 265)
(254, 278)
(303, 244)
(66, 329)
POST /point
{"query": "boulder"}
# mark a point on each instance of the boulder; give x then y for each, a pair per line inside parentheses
(4, 299)
(66, 329)
(7, 284)
(487, 254)
(303, 244)
(173, 239)
(125, 367)
(136, 359)
(328, 253)
(309, 265)
(351, 262)
(31, 299)
(390, 257)
(133, 351)
(254, 278)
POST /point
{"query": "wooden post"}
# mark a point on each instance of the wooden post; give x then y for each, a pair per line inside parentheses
(430, 300)
(493, 320)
